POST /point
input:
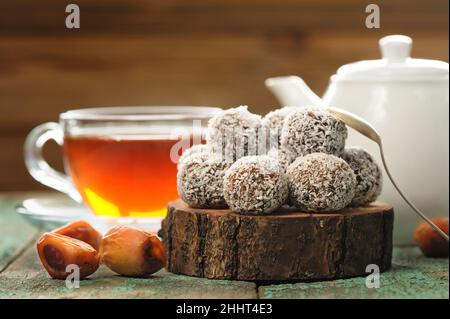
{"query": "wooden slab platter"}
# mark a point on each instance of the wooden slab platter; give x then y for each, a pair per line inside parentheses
(286, 245)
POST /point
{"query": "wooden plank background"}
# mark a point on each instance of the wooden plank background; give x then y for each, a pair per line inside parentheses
(172, 52)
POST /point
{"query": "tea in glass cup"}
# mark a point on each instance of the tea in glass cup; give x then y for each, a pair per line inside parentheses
(120, 161)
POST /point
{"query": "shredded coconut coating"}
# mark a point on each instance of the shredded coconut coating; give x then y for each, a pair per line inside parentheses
(255, 185)
(313, 130)
(234, 133)
(200, 181)
(369, 179)
(194, 149)
(283, 156)
(273, 123)
(320, 183)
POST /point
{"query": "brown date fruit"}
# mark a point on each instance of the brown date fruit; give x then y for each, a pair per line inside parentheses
(81, 230)
(429, 241)
(133, 252)
(57, 251)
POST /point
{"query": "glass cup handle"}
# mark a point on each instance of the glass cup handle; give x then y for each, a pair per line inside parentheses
(39, 168)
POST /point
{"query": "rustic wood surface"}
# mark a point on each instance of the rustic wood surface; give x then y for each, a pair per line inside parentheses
(412, 276)
(21, 275)
(135, 52)
(286, 245)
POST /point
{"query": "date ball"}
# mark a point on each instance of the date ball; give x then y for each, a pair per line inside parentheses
(195, 149)
(320, 182)
(283, 156)
(313, 130)
(368, 175)
(200, 181)
(234, 133)
(273, 122)
(255, 185)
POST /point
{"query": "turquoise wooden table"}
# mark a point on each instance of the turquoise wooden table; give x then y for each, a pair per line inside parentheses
(21, 275)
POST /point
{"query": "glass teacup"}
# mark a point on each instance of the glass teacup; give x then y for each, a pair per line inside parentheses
(120, 161)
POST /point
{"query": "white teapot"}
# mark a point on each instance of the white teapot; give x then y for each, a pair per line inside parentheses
(407, 101)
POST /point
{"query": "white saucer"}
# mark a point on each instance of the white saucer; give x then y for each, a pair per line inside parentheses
(52, 211)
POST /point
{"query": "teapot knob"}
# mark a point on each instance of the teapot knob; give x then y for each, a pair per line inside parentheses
(395, 48)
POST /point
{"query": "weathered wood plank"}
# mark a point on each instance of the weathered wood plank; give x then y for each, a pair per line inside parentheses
(411, 276)
(26, 278)
(59, 73)
(15, 233)
(137, 16)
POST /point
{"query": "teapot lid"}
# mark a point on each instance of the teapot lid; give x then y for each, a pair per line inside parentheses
(396, 64)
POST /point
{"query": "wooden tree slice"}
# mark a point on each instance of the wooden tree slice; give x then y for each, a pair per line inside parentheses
(284, 246)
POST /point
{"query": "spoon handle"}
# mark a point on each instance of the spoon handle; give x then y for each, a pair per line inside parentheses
(363, 127)
(413, 207)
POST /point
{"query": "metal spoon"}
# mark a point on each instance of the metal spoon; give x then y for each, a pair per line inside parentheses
(367, 130)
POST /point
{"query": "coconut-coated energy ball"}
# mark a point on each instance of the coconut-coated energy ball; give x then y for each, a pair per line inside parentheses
(313, 130)
(273, 122)
(255, 185)
(368, 175)
(283, 156)
(320, 182)
(200, 181)
(234, 133)
(195, 149)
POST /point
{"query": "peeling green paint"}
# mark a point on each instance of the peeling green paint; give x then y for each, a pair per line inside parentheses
(15, 232)
(411, 276)
(105, 284)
